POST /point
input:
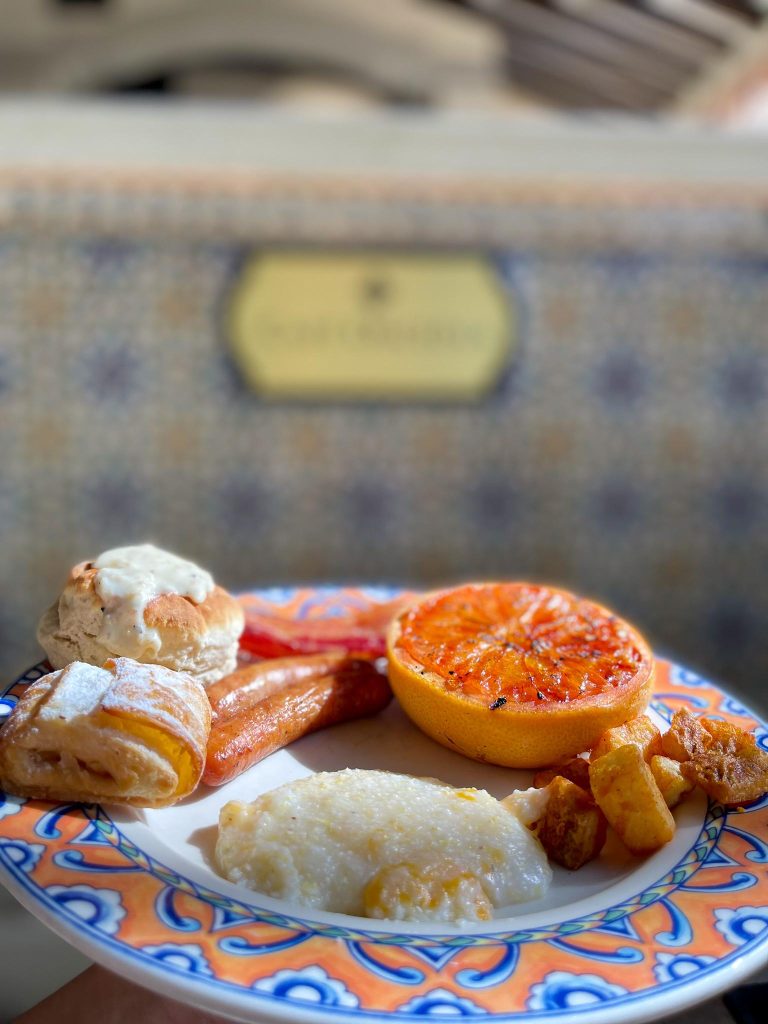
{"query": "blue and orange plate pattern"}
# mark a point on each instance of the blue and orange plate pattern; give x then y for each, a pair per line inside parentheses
(644, 946)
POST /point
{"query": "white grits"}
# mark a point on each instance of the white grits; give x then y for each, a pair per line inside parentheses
(379, 844)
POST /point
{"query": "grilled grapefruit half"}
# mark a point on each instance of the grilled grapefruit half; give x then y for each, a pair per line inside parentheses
(516, 674)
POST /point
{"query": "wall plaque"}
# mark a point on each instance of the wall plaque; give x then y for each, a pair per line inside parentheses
(382, 326)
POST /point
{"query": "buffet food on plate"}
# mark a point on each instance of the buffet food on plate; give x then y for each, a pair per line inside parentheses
(382, 845)
(144, 603)
(146, 703)
(352, 689)
(517, 674)
(125, 733)
(362, 632)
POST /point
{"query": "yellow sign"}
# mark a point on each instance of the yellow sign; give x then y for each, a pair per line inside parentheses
(379, 325)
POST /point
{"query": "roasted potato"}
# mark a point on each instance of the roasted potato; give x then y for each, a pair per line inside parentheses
(731, 778)
(670, 779)
(576, 770)
(573, 828)
(640, 732)
(721, 758)
(684, 737)
(625, 790)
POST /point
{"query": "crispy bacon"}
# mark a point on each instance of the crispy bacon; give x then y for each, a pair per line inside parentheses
(361, 632)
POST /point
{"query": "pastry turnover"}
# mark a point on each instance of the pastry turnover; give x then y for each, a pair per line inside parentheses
(126, 733)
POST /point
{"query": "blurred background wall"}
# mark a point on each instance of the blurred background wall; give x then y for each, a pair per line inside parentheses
(702, 57)
(599, 164)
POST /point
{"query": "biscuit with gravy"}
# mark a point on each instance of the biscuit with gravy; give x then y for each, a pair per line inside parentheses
(146, 604)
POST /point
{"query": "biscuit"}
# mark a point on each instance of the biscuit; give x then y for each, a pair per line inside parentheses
(168, 629)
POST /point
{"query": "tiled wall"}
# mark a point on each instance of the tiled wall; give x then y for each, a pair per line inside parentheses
(625, 454)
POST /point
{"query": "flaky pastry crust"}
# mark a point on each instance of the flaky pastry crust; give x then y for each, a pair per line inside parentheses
(125, 733)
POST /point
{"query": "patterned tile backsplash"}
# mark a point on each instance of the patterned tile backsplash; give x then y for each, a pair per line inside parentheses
(624, 454)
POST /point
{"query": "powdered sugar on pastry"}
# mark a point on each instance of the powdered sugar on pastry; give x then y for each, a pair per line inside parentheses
(77, 692)
(127, 580)
(125, 733)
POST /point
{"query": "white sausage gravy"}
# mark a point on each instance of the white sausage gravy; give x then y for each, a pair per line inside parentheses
(128, 579)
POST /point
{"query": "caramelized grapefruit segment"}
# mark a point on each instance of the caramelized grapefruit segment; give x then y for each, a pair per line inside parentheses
(516, 673)
(521, 642)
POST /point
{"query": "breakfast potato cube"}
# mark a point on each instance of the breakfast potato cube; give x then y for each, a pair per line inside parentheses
(625, 790)
(729, 780)
(573, 828)
(684, 737)
(576, 770)
(728, 739)
(670, 779)
(730, 776)
(641, 732)
(721, 758)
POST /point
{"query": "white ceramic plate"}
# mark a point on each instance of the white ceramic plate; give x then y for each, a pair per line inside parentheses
(620, 940)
